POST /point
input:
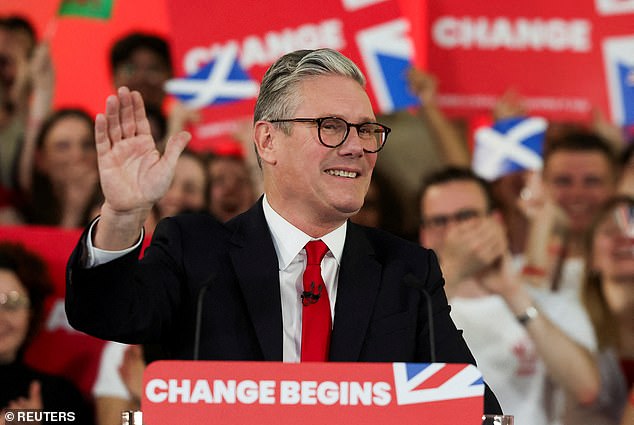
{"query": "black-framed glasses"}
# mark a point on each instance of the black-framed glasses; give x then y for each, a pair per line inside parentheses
(437, 222)
(333, 132)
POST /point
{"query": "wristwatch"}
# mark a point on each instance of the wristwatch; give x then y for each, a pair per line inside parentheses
(529, 314)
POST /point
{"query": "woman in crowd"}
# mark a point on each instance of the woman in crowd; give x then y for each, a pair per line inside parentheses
(187, 193)
(64, 189)
(608, 293)
(24, 284)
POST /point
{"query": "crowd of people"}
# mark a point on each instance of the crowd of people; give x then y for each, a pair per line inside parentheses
(538, 265)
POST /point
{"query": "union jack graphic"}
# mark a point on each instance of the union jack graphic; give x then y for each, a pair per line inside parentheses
(618, 55)
(428, 382)
(387, 53)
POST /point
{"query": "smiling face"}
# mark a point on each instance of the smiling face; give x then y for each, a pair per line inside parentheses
(68, 148)
(613, 259)
(314, 187)
(580, 182)
(14, 322)
(448, 200)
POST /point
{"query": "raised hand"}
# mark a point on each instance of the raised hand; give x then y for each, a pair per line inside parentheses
(423, 85)
(133, 173)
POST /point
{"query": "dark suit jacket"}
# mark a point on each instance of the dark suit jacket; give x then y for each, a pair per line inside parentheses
(378, 317)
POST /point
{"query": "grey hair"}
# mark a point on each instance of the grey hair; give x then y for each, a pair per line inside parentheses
(279, 98)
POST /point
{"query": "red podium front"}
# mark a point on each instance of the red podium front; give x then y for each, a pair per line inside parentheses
(264, 393)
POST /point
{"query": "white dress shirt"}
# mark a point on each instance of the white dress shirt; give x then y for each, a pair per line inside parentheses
(289, 244)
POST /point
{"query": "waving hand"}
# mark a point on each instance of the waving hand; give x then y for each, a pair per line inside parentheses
(134, 175)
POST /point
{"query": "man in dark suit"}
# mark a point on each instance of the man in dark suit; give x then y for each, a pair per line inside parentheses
(317, 140)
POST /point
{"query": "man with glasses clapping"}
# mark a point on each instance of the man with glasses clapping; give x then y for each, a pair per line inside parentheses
(507, 324)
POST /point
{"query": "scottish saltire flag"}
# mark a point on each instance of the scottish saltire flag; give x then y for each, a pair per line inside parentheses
(220, 81)
(510, 145)
(429, 382)
(98, 9)
(387, 53)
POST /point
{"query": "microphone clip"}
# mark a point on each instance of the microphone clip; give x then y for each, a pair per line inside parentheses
(310, 297)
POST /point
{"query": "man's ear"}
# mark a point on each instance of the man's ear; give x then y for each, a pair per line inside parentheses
(264, 138)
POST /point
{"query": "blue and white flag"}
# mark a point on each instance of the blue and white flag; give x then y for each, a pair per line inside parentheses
(626, 80)
(430, 382)
(387, 53)
(222, 80)
(510, 145)
(618, 55)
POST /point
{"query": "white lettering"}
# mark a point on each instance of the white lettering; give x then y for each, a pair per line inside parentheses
(176, 391)
(309, 392)
(152, 391)
(328, 393)
(289, 392)
(343, 394)
(262, 50)
(360, 393)
(225, 391)
(253, 52)
(267, 392)
(382, 395)
(278, 43)
(325, 393)
(202, 392)
(247, 392)
(521, 33)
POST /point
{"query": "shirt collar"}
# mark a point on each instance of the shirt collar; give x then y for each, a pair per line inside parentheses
(289, 240)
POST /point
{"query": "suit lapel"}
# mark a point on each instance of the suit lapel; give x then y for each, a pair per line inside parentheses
(359, 280)
(256, 265)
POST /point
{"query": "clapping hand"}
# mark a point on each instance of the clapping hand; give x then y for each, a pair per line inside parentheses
(471, 249)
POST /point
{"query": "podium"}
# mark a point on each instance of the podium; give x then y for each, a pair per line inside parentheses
(203, 392)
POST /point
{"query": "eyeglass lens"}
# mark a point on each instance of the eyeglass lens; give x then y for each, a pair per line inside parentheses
(441, 221)
(334, 131)
(13, 300)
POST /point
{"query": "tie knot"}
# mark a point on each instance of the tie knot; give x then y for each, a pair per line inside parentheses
(315, 251)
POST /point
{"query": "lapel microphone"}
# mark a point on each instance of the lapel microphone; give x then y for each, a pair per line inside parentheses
(414, 282)
(310, 297)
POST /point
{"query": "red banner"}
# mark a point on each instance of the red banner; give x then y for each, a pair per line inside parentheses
(311, 393)
(560, 55)
(223, 49)
(58, 348)
(80, 45)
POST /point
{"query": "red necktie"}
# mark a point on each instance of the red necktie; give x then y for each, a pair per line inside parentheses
(316, 319)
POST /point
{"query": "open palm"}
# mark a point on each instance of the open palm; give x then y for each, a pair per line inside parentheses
(134, 175)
